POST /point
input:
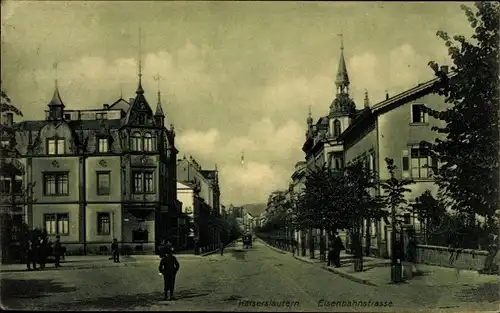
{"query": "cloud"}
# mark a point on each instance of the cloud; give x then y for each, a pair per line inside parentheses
(198, 143)
(252, 180)
(270, 153)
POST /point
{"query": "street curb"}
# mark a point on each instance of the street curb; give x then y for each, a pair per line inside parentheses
(310, 261)
(350, 277)
(274, 248)
(218, 250)
(333, 270)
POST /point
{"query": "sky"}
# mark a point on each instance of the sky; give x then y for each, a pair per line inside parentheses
(235, 76)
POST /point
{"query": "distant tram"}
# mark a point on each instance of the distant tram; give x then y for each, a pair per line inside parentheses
(247, 241)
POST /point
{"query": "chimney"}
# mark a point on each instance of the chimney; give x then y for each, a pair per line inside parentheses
(386, 96)
(106, 106)
(9, 119)
(444, 69)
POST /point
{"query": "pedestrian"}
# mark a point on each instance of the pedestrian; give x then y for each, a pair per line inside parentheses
(57, 251)
(115, 251)
(330, 256)
(221, 247)
(169, 266)
(31, 254)
(42, 252)
(338, 246)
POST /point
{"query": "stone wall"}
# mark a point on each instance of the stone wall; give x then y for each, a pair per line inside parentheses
(447, 257)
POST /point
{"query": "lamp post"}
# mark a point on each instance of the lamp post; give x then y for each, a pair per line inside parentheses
(396, 262)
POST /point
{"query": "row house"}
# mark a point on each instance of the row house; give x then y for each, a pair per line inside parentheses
(395, 128)
(199, 192)
(297, 187)
(100, 174)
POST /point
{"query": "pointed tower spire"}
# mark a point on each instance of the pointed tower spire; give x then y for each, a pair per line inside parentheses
(159, 115)
(139, 88)
(342, 80)
(309, 117)
(367, 100)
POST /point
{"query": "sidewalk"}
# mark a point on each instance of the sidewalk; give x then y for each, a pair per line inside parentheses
(377, 272)
(93, 261)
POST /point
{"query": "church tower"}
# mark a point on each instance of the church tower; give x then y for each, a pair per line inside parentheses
(342, 107)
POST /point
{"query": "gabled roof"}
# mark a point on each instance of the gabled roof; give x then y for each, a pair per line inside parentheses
(399, 98)
(392, 103)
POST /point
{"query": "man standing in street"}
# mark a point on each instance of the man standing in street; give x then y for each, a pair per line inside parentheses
(57, 251)
(169, 266)
(221, 247)
(116, 253)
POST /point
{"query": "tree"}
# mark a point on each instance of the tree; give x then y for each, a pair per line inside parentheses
(358, 203)
(469, 153)
(394, 196)
(430, 212)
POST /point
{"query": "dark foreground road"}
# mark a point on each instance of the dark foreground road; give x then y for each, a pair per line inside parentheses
(257, 279)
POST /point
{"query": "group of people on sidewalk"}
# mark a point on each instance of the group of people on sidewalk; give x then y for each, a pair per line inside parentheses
(39, 248)
(334, 251)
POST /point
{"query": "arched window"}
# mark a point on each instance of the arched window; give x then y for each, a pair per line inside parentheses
(148, 142)
(135, 142)
(336, 128)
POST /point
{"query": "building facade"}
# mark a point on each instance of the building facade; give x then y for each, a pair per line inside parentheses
(394, 128)
(101, 174)
(205, 200)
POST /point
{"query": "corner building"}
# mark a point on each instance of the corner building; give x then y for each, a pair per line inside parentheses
(100, 174)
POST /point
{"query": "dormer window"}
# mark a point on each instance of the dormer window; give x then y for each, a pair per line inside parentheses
(102, 145)
(135, 142)
(101, 116)
(55, 146)
(148, 142)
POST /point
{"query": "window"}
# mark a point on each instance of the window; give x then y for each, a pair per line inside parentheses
(103, 183)
(148, 182)
(67, 116)
(422, 164)
(101, 116)
(148, 142)
(57, 224)
(418, 113)
(55, 146)
(136, 142)
(336, 128)
(137, 186)
(143, 182)
(55, 184)
(102, 145)
(5, 143)
(103, 223)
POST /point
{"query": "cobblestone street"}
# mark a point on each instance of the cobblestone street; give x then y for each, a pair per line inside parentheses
(257, 275)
